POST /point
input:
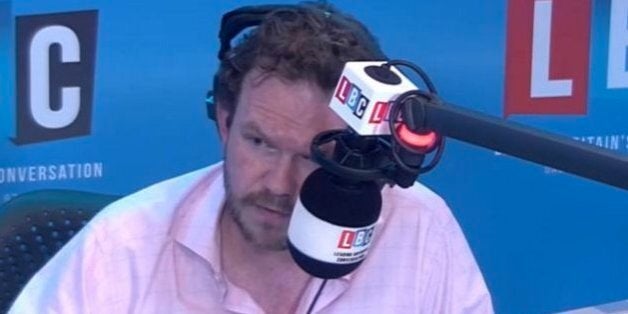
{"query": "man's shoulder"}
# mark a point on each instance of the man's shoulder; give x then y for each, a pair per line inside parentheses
(417, 202)
(421, 218)
(148, 212)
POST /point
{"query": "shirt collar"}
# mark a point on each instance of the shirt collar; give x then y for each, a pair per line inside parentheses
(197, 217)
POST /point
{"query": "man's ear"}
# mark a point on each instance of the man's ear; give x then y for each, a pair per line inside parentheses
(223, 118)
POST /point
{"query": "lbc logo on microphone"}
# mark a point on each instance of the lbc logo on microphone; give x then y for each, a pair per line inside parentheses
(55, 57)
(351, 95)
(357, 239)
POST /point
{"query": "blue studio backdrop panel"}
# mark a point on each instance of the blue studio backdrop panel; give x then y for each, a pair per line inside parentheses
(546, 240)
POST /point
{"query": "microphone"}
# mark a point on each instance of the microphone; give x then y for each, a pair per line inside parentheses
(332, 224)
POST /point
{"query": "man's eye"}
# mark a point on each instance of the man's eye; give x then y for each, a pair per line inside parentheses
(257, 141)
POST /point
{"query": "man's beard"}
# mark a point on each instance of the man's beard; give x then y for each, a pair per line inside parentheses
(263, 236)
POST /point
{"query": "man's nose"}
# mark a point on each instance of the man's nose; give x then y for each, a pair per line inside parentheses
(281, 178)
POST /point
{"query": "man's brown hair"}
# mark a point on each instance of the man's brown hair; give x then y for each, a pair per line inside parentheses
(309, 41)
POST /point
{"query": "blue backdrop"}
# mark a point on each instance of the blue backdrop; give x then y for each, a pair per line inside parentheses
(546, 241)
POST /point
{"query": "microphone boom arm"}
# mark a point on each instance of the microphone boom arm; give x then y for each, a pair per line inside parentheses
(559, 152)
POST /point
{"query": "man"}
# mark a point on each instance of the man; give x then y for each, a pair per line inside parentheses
(214, 240)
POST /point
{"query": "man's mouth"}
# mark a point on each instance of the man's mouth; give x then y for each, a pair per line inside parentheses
(276, 211)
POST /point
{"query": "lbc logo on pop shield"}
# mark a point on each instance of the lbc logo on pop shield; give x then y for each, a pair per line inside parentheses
(54, 75)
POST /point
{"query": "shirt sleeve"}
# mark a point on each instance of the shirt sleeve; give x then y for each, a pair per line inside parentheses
(459, 283)
(66, 284)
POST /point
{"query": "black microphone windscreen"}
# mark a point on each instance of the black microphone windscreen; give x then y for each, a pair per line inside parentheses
(332, 224)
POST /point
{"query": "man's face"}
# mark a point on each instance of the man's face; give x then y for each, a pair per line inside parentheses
(267, 149)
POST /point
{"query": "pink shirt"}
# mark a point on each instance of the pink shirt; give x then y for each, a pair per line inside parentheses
(158, 251)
